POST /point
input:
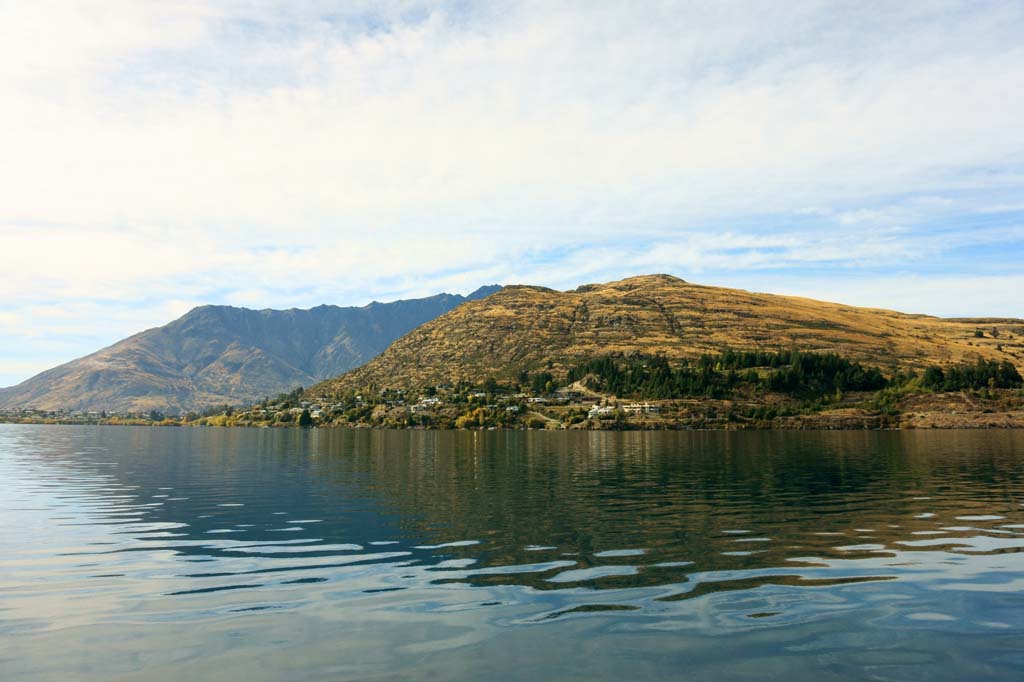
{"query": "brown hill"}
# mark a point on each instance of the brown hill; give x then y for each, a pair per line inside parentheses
(221, 354)
(528, 327)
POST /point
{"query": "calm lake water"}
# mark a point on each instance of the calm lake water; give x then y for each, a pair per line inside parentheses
(204, 554)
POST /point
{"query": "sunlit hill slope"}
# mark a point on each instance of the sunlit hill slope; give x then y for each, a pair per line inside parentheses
(531, 328)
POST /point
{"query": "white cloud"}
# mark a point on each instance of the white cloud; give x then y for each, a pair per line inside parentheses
(944, 296)
(272, 153)
(577, 113)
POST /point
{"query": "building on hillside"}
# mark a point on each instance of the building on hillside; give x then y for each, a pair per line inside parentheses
(641, 408)
(425, 405)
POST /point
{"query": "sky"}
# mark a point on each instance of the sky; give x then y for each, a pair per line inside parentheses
(162, 155)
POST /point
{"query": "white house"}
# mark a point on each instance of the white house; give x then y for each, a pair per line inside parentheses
(642, 408)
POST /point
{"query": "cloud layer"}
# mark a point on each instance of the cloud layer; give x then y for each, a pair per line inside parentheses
(160, 155)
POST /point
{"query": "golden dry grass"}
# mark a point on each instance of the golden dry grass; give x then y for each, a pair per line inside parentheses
(524, 327)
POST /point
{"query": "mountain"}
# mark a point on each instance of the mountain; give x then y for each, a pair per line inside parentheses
(221, 354)
(531, 328)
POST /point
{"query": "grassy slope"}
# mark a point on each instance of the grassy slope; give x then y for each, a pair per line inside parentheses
(523, 327)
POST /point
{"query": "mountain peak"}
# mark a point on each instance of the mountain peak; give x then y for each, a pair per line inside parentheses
(216, 354)
(484, 292)
(630, 283)
(639, 281)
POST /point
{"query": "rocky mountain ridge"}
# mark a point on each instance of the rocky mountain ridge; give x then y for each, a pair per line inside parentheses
(221, 354)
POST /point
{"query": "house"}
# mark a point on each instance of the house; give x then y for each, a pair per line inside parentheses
(642, 408)
(425, 404)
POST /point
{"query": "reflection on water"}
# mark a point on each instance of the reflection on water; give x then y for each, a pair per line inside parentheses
(332, 554)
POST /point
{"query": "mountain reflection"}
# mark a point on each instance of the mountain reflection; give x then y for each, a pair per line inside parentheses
(556, 510)
(281, 554)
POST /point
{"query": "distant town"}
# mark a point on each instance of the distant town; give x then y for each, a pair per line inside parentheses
(442, 406)
(396, 408)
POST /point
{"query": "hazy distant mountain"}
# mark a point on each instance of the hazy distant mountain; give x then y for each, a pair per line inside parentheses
(221, 354)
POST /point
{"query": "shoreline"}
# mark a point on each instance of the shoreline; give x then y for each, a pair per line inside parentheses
(631, 428)
(855, 411)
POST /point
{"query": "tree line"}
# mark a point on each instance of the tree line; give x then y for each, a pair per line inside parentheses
(982, 374)
(797, 373)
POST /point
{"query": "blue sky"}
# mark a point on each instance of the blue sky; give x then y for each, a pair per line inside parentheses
(162, 155)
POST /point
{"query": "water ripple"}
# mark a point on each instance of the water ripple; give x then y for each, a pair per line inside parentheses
(396, 547)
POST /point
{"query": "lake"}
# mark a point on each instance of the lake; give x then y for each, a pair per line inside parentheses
(281, 554)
